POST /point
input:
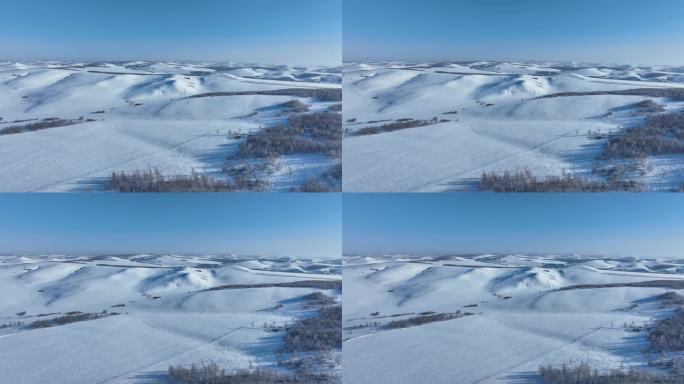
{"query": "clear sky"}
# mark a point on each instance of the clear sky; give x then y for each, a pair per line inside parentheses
(646, 224)
(264, 31)
(278, 224)
(613, 31)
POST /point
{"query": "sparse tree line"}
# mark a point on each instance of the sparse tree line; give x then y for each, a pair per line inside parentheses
(154, 181)
(68, 318)
(396, 126)
(525, 181)
(585, 374)
(51, 122)
(212, 373)
(671, 93)
(315, 284)
(322, 94)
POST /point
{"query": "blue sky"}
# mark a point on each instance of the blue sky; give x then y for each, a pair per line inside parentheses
(268, 31)
(621, 31)
(250, 223)
(647, 224)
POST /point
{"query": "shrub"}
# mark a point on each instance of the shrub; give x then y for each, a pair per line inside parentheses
(525, 181)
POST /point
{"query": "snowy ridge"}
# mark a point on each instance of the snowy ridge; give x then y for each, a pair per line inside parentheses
(490, 117)
(137, 116)
(517, 316)
(159, 313)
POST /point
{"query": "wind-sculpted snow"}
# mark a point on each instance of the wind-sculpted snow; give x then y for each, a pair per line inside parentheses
(141, 116)
(128, 318)
(546, 118)
(496, 318)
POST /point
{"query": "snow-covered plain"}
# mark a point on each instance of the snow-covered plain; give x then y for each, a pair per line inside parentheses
(519, 319)
(142, 119)
(490, 119)
(165, 317)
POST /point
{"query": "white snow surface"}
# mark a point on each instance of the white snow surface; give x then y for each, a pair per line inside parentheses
(142, 119)
(490, 119)
(518, 320)
(165, 317)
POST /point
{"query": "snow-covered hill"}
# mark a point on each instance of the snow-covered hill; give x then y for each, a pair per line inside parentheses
(159, 310)
(493, 117)
(123, 117)
(514, 313)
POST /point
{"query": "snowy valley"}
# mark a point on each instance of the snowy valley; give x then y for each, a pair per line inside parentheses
(149, 318)
(498, 318)
(164, 126)
(512, 126)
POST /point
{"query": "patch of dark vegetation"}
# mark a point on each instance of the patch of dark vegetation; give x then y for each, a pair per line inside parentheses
(425, 319)
(212, 373)
(330, 181)
(649, 106)
(395, 126)
(294, 106)
(43, 124)
(659, 134)
(525, 181)
(322, 94)
(671, 93)
(319, 299)
(672, 300)
(669, 284)
(450, 113)
(316, 284)
(668, 334)
(318, 132)
(154, 181)
(97, 112)
(319, 333)
(585, 374)
(71, 317)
